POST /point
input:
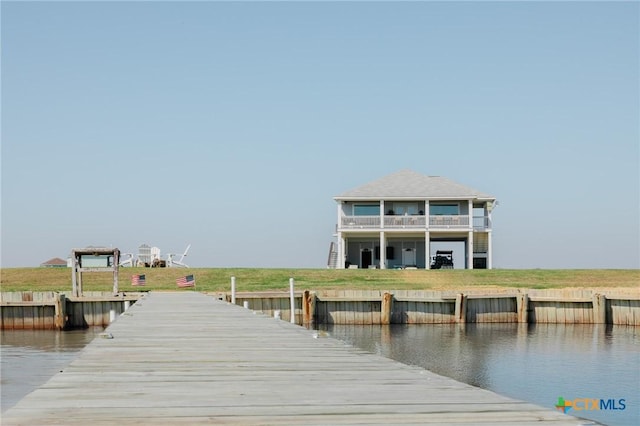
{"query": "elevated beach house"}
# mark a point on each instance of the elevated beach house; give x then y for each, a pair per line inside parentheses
(395, 221)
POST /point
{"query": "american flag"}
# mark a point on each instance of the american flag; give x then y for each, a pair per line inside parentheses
(186, 281)
(138, 279)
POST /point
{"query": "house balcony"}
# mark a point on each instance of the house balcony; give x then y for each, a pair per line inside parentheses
(415, 222)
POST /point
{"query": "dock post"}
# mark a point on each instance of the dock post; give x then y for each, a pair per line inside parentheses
(115, 274)
(233, 290)
(308, 307)
(386, 309)
(60, 311)
(293, 302)
(461, 308)
(599, 308)
(523, 308)
(76, 281)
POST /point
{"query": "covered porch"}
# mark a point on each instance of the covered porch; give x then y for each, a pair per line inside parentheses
(412, 250)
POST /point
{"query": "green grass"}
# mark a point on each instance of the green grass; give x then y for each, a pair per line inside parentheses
(250, 279)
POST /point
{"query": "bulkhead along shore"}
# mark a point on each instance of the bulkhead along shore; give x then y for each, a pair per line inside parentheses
(40, 298)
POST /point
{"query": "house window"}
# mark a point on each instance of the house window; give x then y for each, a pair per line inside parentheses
(405, 208)
(366, 209)
(444, 209)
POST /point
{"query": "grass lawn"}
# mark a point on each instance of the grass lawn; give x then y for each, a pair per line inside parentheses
(249, 279)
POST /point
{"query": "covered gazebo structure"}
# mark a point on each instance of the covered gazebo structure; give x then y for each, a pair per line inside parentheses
(93, 259)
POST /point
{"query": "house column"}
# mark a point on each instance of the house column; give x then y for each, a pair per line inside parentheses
(427, 250)
(470, 238)
(383, 251)
(470, 250)
(489, 250)
(489, 209)
(426, 213)
(341, 251)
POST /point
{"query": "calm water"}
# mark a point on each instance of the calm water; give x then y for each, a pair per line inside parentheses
(31, 357)
(535, 363)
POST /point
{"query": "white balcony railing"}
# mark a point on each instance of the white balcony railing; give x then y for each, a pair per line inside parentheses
(481, 223)
(405, 222)
(356, 222)
(448, 221)
(414, 222)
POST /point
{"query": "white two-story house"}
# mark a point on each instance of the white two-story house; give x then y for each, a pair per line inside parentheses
(393, 222)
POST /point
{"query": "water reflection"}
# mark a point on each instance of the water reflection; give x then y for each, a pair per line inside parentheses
(29, 358)
(535, 363)
(49, 340)
(531, 362)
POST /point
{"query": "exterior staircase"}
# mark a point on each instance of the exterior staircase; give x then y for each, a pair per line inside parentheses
(332, 261)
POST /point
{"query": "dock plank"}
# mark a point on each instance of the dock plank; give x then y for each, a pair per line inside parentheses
(186, 358)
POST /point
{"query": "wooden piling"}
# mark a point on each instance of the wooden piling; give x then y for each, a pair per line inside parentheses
(60, 319)
(523, 308)
(308, 307)
(599, 308)
(386, 309)
(233, 290)
(461, 308)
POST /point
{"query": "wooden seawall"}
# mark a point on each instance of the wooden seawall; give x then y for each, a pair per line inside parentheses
(48, 310)
(619, 307)
(185, 358)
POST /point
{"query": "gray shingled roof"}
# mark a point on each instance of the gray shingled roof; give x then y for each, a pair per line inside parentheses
(410, 184)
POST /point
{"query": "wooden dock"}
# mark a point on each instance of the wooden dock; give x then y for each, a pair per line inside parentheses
(187, 358)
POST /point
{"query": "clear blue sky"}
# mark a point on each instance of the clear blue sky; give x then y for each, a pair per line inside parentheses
(231, 126)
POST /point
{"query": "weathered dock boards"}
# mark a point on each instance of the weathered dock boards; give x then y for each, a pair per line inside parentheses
(186, 358)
